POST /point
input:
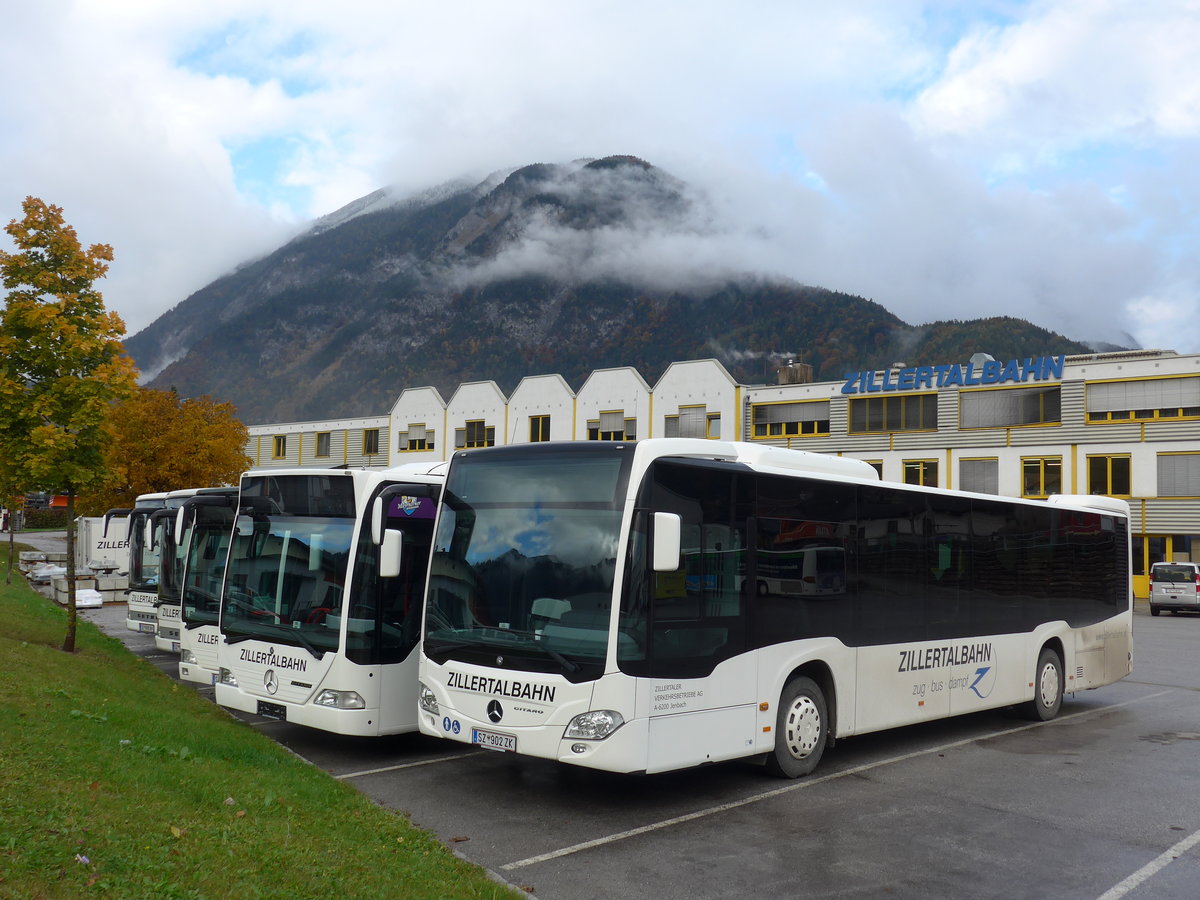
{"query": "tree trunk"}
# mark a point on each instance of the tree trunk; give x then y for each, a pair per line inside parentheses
(72, 613)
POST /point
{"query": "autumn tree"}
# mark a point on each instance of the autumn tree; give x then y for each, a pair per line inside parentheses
(61, 363)
(157, 441)
(10, 496)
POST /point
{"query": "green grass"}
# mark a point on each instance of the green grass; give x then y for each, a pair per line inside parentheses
(214, 810)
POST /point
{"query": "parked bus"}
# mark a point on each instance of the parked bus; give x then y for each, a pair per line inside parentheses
(204, 523)
(321, 602)
(166, 544)
(141, 613)
(565, 618)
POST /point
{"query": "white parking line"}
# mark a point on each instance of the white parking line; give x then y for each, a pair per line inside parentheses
(806, 783)
(411, 765)
(1146, 872)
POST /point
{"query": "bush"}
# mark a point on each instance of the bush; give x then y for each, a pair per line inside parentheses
(36, 519)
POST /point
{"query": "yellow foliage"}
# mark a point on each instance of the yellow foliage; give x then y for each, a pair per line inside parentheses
(156, 441)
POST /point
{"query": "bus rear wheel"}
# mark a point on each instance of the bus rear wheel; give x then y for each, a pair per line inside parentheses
(801, 729)
(1047, 687)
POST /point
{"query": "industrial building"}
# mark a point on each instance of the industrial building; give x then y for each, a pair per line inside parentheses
(1123, 424)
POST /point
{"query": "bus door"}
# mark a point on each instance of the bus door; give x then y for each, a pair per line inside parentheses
(389, 608)
(700, 697)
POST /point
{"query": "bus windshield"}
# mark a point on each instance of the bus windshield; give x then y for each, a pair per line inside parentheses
(288, 561)
(209, 547)
(143, 555)
(524, 558)
(170, 553)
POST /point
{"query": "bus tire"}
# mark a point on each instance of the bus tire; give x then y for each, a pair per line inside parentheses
(1047, 687)
(801, 729)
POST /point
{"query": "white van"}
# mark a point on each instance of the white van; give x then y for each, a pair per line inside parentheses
(1174, 586)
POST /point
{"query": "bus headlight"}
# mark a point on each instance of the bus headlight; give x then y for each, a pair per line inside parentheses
(187, 656)
(595, 725)
(428, 701)
(341, 699)
(224, 676)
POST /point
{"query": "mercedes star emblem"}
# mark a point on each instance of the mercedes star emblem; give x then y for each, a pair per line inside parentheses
(495, 711)
(270, 682)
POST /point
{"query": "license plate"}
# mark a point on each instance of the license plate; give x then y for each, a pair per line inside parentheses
(493, 740)
(147, 627)
(272, 711)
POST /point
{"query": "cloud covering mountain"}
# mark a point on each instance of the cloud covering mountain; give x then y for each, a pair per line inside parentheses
(547, 268)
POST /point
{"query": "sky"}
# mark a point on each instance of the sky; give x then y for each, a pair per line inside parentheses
(948, 159)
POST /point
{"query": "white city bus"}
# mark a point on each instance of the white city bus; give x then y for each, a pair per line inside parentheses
(166, 543)
(599, 604)
(321, 603)
(206, 523)
(140, 610)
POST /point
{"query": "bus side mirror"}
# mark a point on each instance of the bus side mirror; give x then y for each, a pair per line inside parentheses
(667, 530)
(390, 553)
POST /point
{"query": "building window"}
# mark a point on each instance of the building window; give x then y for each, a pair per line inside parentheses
(774, 420)
(979, 475)
(1041, 476)
(279, 447)
(714, 426)
(539, 429)
(475, 433)
(921, 471)
(1147, 399)
(876, 464)
(1010, 407)
(612, 426)
(1179, 475)
(322, 443)
(370, 441)
(691, 422)
(897, 412)
(418, 437)
(1109, 475)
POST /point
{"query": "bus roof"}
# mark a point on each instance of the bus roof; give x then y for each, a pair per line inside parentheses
(761, 457)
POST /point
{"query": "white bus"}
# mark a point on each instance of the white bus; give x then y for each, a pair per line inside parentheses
(166, 544)
(598, 603)
(141, 613)
(206, 524)
(321, 603)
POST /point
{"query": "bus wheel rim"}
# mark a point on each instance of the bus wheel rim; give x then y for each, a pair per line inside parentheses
(1049, 685)
(803, 728)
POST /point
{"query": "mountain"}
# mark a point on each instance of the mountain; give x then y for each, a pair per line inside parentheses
(560, 268)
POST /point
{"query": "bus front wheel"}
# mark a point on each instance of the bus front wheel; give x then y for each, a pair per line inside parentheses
(801, 729)
(1047, 687)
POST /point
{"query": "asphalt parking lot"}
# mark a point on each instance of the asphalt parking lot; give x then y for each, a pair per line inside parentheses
(1099, 803)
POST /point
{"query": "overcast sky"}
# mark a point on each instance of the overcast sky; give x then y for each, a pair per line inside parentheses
(947, 159)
